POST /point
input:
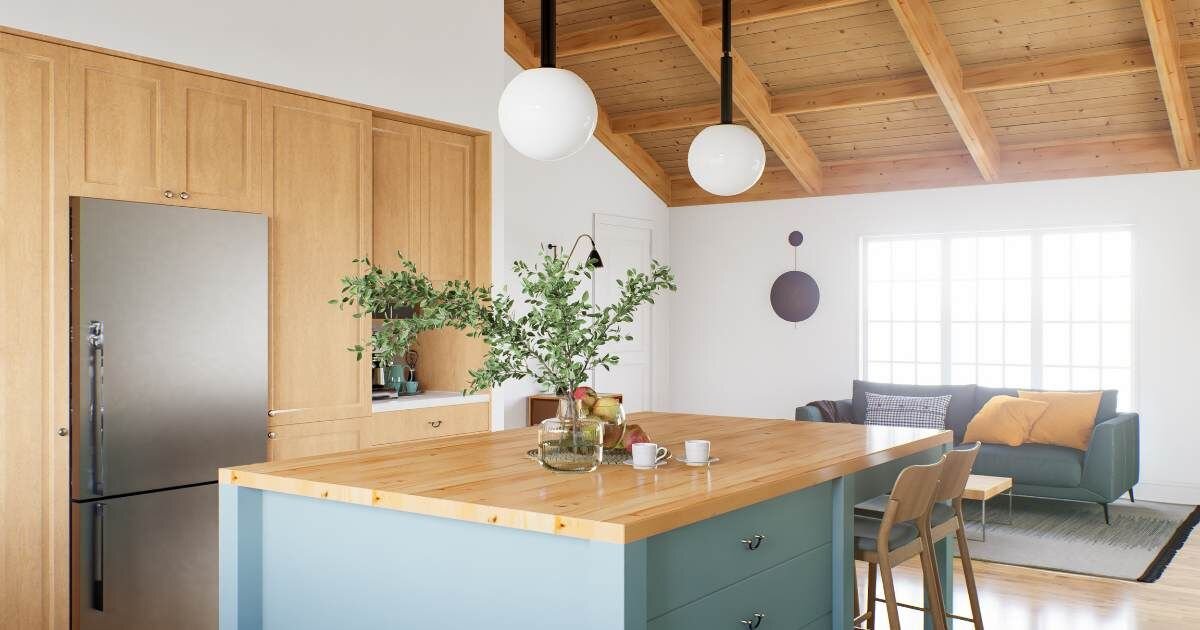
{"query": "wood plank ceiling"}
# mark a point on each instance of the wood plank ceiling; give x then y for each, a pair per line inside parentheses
(889, 94)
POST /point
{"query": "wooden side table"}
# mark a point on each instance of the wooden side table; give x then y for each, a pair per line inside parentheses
(981, 488)
(543, 406)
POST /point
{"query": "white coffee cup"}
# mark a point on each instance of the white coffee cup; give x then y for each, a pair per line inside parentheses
(696, 451)
(647, 454)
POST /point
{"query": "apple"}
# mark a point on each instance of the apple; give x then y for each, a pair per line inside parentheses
(634, 435)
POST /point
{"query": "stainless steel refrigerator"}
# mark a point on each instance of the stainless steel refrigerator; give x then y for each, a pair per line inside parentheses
(168, 383)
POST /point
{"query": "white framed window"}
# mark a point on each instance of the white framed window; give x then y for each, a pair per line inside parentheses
(1049, 309)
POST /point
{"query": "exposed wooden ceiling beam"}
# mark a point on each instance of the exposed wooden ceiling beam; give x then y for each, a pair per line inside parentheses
(924, 31)
(979, 78)
(1172, 76)
(1088, 157)
(625, 33)
(519, 46)
(642, 30)
(750, 95)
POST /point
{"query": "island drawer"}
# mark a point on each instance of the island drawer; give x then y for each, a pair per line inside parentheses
(426, 423)
(795, 594)
(688, 563)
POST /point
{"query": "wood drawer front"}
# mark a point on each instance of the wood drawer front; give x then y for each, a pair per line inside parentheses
(686, 564)
(423, 424)
(795, 594)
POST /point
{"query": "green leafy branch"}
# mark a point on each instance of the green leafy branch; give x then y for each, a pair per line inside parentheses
(559, 337)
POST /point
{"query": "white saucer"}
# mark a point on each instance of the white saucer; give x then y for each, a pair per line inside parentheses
(711, 461)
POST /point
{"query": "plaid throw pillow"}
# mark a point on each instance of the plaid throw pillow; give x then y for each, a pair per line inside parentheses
(907, 411)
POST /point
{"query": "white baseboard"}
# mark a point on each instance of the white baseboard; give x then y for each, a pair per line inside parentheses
(1181, 493)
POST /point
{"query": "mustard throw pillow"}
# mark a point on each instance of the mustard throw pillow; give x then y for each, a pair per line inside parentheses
(1005, 420)
(1069, 419)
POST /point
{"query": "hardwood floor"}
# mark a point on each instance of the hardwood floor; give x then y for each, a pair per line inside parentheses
(1018, 598)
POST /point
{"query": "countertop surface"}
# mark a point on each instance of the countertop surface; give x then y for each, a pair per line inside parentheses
(425, 400)
(488, 478)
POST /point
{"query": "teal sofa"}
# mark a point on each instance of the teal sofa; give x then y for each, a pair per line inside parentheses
(1106, 470)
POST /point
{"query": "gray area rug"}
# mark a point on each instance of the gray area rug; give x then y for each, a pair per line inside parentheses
(1072, 537)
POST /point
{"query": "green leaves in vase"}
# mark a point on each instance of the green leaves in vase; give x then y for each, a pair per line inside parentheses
(554, 334)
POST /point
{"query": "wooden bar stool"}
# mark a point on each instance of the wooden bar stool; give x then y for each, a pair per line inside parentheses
(945, 520)
(901, 534)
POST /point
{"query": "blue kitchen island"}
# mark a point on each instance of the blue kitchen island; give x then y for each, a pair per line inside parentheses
(468, 532)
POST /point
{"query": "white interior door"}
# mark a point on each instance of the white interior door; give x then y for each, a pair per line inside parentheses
(625, 243)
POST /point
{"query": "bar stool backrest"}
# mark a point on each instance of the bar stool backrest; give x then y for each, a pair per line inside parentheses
(912, 495)
(957, 470)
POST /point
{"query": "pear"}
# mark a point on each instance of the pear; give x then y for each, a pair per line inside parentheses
(607, 408)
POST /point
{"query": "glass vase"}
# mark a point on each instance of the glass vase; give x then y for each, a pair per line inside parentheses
(568, 443)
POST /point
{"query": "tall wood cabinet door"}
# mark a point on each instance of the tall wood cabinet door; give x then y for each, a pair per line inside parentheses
(449, 178)
(214, 143)
(118, 119)
(317, 187)
(34, 489)
(398, 213)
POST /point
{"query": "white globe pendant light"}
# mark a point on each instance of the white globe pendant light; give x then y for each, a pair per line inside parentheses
(726, 159)
(547, 113)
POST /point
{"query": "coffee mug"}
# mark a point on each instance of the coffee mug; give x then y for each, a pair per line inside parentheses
(696, 451)
(648, 454)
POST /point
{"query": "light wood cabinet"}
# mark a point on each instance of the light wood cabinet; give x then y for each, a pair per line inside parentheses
(422, 424)
(424, 201)
(215, 143)
(314, 438)
(317, 187)
(33, 353)
(142, 132)
(427, 206)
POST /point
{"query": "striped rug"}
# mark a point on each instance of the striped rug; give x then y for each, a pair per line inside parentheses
(1072, 537)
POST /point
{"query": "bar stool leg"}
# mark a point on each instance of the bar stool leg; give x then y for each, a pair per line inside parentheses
(889, 592)
(968, 570)
(872, 578)
(933, 589)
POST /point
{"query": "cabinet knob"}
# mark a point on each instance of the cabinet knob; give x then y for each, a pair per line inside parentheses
(435, 423)
(62, 431)
(168, 194)
(184, 195)
(755, 543)
(270, 435)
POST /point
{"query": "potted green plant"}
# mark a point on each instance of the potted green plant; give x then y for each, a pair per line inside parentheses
(556, 336)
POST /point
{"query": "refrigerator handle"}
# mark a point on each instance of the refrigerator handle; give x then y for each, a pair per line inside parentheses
(98, 556)
(96, 343)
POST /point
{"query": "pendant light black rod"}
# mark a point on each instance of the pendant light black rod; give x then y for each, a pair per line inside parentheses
(549, 28)
(726, 62)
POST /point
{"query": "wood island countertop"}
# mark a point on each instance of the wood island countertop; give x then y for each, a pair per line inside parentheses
(487, 478)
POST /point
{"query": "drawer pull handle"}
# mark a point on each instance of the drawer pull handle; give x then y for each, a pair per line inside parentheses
(435, 423)
(756, 622)
(752, 544)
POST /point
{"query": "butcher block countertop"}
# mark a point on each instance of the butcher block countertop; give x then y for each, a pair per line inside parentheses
(487, 478)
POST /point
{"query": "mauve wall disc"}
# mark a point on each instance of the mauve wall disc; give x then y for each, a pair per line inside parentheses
(795, 296)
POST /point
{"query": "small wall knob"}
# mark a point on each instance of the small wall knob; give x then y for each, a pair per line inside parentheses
(184, 195)
(62, 431)
(271, 435)
(168, 194)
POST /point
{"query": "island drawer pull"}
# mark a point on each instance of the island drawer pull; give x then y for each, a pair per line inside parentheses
(756, 622)
(435, 423)
(751, 545)
(278, 412)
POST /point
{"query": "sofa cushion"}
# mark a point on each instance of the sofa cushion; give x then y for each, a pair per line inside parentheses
(1005, 420)
(1034, 464)
(907, 411)
(962, 401)
(1107, 410)
(1069, 420)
